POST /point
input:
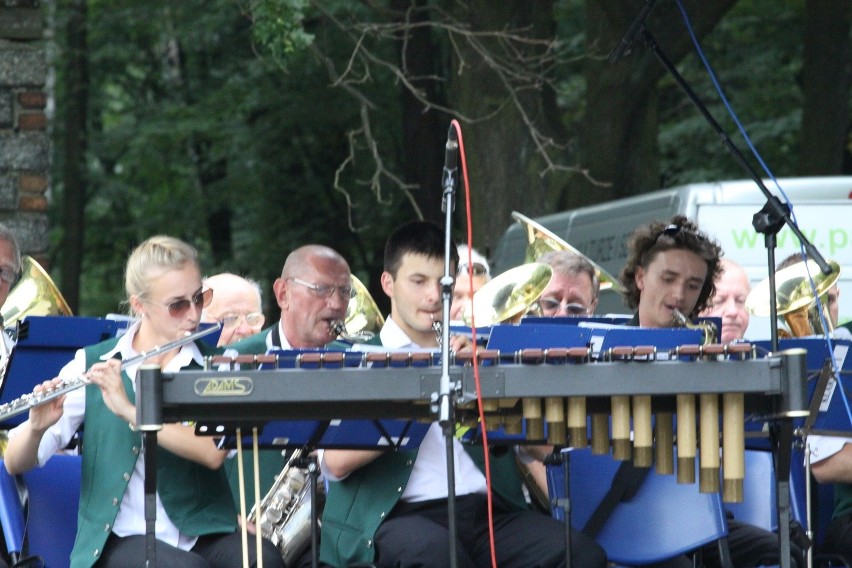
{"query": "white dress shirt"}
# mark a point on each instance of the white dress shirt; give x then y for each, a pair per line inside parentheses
(131, 512)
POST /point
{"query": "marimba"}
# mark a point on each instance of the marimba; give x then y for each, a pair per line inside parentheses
(401, 385)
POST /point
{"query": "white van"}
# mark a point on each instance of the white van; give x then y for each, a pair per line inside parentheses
(821, 205)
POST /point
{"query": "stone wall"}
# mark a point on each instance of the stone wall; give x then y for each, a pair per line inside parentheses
(24, 144)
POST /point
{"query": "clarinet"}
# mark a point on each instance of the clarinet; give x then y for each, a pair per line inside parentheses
(28, 401)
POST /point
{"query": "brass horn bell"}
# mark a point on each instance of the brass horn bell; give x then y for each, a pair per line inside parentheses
(508, 295)
(34, 294)
(363, 318)
(795, 300)
(541, 241)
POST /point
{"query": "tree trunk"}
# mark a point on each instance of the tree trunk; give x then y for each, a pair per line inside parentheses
(619, 137)
(74, 179)
(423, 130)
(503, 160)
(825, 86)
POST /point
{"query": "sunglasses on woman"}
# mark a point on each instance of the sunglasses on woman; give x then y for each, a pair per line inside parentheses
(199, 300)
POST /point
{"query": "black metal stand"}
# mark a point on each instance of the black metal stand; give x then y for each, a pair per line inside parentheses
(150, 449)
(446, 416)
(149, 420)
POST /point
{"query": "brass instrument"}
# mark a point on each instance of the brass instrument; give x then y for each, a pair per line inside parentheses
(508, 295)
(363, 319)
(795, 299)
(285, 517)
(541, 241)
(34, 294)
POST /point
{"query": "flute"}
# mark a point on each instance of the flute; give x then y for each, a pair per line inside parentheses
(27, 401)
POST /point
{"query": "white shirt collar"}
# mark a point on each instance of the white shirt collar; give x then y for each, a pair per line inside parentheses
(393, 337)
(187, 353)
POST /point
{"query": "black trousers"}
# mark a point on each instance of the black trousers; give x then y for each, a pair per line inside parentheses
(211, 551)
(416, 535)
(838, 538)
(748, 545)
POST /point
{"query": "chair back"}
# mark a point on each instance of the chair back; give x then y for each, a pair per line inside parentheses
(662, 520)
(11, 513)
(49, 519)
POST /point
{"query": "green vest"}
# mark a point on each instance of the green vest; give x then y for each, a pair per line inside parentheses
(842, 499)
(356, 506)
(199, 504)
(256, 344)
(253, 344)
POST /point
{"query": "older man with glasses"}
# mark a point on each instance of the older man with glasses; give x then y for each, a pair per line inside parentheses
(313, 293)
(574, 288)
(236, 304)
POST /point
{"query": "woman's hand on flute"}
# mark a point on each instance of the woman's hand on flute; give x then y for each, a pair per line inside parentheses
(107, 377)
(45, 415)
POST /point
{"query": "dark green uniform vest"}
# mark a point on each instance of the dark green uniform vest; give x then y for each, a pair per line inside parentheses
(196, 498)
(356, 506)
(256, 344)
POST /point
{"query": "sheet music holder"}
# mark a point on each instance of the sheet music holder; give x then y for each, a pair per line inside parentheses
(45, 344)
(328, 434)
(828, 416)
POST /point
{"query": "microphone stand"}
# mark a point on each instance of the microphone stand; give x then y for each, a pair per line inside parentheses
(149, 421)
(769, 220)
(446, 416)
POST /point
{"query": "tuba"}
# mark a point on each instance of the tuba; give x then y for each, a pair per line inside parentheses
(795, 299)
(541, 241)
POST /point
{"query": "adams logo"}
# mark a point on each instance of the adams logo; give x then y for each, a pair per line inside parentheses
(233, 386)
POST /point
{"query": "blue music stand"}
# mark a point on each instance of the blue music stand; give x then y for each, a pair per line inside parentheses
(45, 344)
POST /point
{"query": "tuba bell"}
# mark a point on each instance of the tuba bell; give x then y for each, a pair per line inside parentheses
(541, 241)
(795, 300)
(34, 294)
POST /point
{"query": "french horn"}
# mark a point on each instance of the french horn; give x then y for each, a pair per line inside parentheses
(795, 300)
(541, 241)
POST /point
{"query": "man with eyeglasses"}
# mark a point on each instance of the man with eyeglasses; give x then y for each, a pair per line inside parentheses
(462, 291)
(390, 508)
(236, 304)
(574, 287)
(313, 293)
(10, 262)
(673, 267)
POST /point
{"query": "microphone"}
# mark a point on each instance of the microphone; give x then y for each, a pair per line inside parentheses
(449, 179)
(635, 28)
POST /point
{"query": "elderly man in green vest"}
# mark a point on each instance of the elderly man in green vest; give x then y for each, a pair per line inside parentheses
(313, 293)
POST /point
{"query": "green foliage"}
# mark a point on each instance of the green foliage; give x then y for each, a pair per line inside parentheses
(756, 53)
(278, 27)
